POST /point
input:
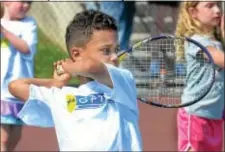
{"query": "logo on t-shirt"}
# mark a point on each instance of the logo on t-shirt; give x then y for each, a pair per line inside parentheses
(71, 103)
(91, 101)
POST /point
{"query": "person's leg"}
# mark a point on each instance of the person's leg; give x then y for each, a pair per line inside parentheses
(116, 10)
(126, 24)
(5, 131)
(123, 12)
(14, 137)
(10, 125)
(10, 136)
(91, 5)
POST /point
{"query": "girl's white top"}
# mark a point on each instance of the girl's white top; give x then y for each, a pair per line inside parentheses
(14, 64)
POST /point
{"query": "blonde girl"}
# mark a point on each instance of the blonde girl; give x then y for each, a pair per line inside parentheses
(18, 46)
(200, 126)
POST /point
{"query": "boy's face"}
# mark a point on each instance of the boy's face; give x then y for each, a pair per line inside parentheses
(102, 46)
(18, 9)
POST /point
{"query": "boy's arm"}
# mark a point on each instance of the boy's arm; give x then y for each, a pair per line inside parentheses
(21, 88)
(121, 81)
(88, 67)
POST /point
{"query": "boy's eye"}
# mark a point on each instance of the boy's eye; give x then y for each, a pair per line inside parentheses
(106, 51)
(109, 51)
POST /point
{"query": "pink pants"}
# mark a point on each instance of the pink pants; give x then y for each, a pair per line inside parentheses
(198, 133)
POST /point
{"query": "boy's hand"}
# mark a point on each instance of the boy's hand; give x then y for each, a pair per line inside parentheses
(71, 67)
(60, 74)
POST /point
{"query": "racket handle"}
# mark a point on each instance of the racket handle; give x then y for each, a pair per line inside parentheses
(59, 70)
(139, 44)
(121, 53)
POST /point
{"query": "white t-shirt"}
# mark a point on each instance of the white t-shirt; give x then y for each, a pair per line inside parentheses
(102, 119)
(14, 64)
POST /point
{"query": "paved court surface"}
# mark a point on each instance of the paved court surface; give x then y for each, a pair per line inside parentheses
(157, 126)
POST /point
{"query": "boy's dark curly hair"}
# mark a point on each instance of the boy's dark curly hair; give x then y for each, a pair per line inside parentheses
(80, 29)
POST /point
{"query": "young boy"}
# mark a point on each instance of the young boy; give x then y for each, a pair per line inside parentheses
(102, 113)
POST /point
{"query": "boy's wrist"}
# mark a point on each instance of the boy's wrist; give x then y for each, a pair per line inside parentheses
(59, 83)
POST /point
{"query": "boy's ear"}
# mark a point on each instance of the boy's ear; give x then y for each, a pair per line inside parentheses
(75, 52)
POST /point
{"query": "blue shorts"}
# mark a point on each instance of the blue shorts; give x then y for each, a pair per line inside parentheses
(32, 113)
(9, 111)
(11, 120)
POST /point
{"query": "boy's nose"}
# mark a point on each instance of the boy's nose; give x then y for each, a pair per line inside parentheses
(114, 58)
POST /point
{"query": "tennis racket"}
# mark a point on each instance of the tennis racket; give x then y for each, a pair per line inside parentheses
(161, 76)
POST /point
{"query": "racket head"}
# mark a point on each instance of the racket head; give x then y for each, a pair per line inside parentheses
(161, 76)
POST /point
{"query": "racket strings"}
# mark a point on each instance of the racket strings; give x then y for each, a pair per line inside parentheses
(160, 75)
(152, 65)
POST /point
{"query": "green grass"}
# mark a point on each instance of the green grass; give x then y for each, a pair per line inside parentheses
(47, 54)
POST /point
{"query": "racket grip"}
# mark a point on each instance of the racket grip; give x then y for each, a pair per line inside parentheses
(137, 45)
(59, 70)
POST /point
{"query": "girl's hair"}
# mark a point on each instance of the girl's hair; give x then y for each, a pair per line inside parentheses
(187, 26)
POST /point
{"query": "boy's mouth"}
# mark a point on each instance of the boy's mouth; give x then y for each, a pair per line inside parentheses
(217, 18)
